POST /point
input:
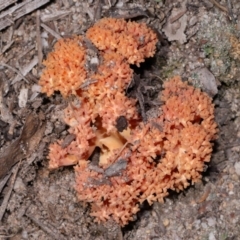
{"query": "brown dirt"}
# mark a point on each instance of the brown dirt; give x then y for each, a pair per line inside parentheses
(39, 204)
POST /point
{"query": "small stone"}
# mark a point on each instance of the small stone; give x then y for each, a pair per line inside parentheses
(204, 225)
(36, 88)
(235, 177)
(211, 236)
(197, 223)
(207, 80)
(23, 97)
(237, 168)
(166, 222)
(19, 186)
(193, 20)
(25, 234)
(211, 222)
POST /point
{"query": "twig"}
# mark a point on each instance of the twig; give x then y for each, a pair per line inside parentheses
(87, 83)
(98, 11)
(31, 6)
(120, 152)
(24, 52)
(46, 229)
(26, 69)
(13, 9)
(9, 44)
(39, 42)
(4, 3)
(205, 195)
(54, 16)
(14, 70)
(219, 6)
(48, 29)
(8, 194)
(4, 181)
(179, 15)
(230, 12)
(141, 104)
(19, 10)
(9, 41)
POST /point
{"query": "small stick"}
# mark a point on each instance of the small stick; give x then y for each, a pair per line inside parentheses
(120, 152)
(48, 29)
(179, 15)
(45, 228)
(23, 53)
(4, 181)
(219, 6)
(8, 194)
(14, 70)
(109, 3)
(205, 195)
(141, 104)
(39, 42)
(98, 11)
(10, 41)
(230, 12)
(87, 83)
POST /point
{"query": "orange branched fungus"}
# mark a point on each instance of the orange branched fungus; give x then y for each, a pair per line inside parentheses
(65, 67)
(134, 41)
(180, 138)
(106, 94)
(144, 160)
(88, 136)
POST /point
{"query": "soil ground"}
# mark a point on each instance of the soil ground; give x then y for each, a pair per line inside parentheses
(198, 40)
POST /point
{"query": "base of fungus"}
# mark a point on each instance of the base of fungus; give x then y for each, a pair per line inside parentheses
(107, 142)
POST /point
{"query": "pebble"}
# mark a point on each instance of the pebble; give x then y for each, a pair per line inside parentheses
(235, 177)
(207, 80)
(25, 234)
(237, 168)
(49, 128)
(211, 236)
(193, 21)
(23, 97)
(204, 225)
(197, 223)
(165, 222)
(211, 222)
(36, 88)
(19, 186)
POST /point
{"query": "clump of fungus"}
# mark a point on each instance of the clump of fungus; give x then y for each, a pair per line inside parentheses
(107, 93)
(134, 41)
(65, 67)
(142, 161)
(182, 135)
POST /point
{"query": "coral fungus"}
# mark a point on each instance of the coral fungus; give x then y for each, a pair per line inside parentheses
(182, 135)
(141, 161)
(118, 40)
(106, 94)
(134, 41)
(65, 67)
